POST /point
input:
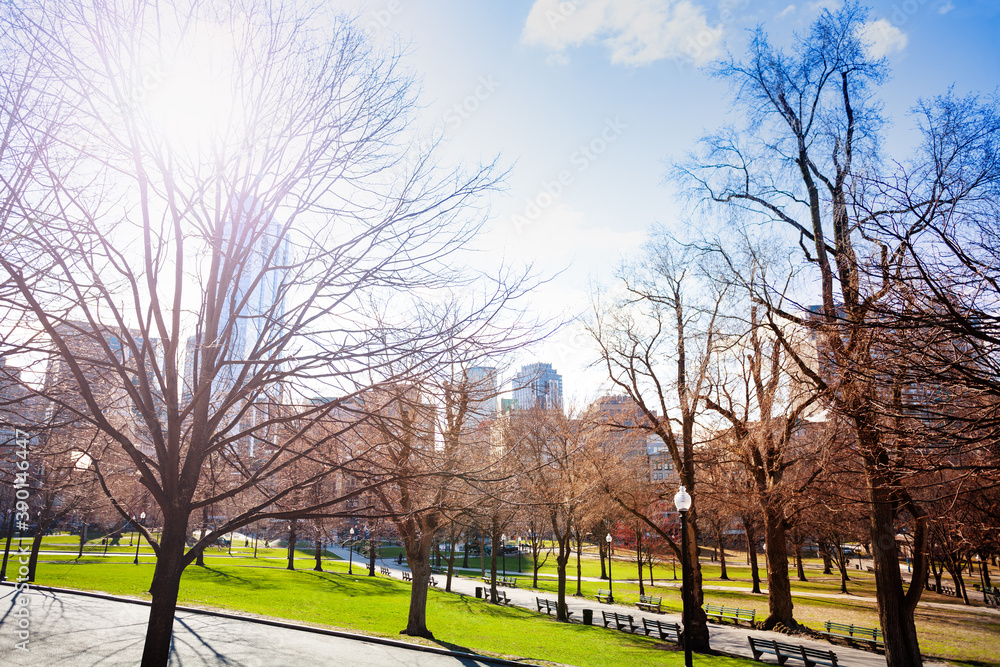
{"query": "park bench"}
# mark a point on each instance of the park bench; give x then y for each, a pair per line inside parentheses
(510, 582)
(603, 595)
(383, 570)
(783, 652)
(947, 590)
(649, 603)
(432, 581)
(664, 629)
(502, 597)
(735, 614)
(407, 576)
(853, 633)
(549, 606)
(623, 622)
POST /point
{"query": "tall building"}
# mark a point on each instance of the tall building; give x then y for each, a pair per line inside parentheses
(538, 386)
(482, 382)
(256, 303)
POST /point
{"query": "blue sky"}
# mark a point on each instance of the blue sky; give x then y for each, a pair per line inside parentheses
(588, 101)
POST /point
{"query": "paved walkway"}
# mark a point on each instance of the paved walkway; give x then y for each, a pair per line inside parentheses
(729, 638)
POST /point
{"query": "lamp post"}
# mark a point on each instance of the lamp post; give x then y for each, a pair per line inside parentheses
(142, 517)
(682, 501)
(611, 582)
(350, 548)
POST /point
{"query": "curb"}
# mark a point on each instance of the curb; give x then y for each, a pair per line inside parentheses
(287, 625)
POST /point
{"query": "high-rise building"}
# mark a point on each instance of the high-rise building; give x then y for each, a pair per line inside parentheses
(482, 383)
(255, 306)
(538, 386)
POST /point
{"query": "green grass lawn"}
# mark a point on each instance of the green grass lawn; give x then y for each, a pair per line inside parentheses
(963, 635)
(378, 606)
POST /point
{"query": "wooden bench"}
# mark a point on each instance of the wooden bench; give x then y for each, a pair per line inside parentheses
(407, 576)
(502, 598)
(431, 581)
(783, 652)
(384, 571)
(947, 590)
(853, 633)
(549, 606)
(623, 622)
(664, 629)
(510, 582)
(603, 595)
(649, 603)
(735, 614)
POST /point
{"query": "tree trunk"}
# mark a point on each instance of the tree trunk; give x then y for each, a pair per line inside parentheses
(601, 551)
(536, 552)
(722, 554)
(292, 537)
(698, 635)
(83, 539)
(798, 561)
(841, 560)
(938, 572)
(494, 539)
(562, 560)
(371, 553)
(200, 561)
(902, 648)
(752, 554)
(164, 589)
(638, 558)
(36, 545)
(451, 563)
(779, 587)
(418, 556)
(319, 553)
(824, 552)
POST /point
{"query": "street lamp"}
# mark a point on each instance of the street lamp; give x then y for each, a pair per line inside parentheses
(350, 547)
(142, 517)
(611, 582)
(682, 501)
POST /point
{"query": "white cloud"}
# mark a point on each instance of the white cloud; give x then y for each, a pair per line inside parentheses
(829, 5)
(946, 7)
(881, 38)
(790, 9)
(636, 32)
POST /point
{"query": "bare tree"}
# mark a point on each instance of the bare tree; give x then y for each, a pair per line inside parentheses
(657, 342)
(225, 270)
(810, 163)
(554, 451)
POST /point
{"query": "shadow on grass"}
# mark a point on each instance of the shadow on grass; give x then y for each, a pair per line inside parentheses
(338, 582)
(218, 575)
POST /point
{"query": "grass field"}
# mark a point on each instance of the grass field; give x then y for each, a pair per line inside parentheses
(378, 606)
(948, 630)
